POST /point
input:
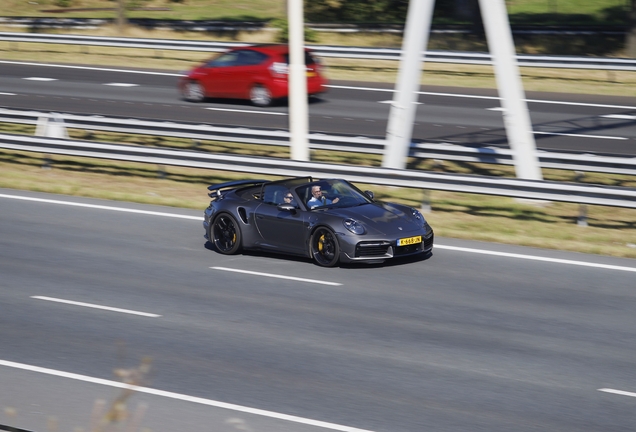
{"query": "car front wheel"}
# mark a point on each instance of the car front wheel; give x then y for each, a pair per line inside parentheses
(193, 91)
(260, 95)
(226, 234)
(324, 247)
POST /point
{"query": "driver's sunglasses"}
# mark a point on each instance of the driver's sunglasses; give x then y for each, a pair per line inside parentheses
(289, 197)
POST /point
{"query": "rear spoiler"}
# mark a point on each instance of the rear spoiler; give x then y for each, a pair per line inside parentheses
(216, 188)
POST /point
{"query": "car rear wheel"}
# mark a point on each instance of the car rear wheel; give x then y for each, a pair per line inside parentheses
(324, 247)
(226, 234)
(193, 91)
(260, 95)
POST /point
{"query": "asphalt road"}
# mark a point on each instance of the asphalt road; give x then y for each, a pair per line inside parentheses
(580, 123)
(463, 341)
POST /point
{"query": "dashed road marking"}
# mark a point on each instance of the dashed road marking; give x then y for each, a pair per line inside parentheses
(618, 392)
(247, 111)
(40, 79)
(94, 306)
(620, 116)
(277, 276)
(122, 85)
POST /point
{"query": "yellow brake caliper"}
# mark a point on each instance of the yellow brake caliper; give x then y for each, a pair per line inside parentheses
(321, 242)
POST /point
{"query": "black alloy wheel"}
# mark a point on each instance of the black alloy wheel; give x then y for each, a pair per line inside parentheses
(226, 234)
(324, 247)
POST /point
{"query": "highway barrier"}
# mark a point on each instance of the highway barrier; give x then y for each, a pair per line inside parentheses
(524, 60)
(516, 188)
(587, 162)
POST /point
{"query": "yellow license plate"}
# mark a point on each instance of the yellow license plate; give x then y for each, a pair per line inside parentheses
(311, 74)
(409, 240)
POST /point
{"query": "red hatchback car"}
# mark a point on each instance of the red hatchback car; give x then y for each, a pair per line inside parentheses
(258, 73)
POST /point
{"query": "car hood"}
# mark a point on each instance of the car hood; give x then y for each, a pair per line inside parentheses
(381, 218)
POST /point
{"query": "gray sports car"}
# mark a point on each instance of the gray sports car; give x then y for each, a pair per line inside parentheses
(328, 220)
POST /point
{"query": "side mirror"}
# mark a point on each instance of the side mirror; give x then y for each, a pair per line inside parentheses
(369, 194)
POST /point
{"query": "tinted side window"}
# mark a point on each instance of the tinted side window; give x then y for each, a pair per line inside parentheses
(273, 194)
(225, 60)
(250, 58)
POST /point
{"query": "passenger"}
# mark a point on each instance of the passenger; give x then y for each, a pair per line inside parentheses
(317, 199)
(288, 198)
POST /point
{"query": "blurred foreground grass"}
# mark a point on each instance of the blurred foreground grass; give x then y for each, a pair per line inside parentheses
(610, 231)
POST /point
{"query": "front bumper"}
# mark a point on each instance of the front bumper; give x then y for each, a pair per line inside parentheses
(380, 250)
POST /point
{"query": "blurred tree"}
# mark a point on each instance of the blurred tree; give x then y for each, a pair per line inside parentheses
(389, 11)
(378, 11)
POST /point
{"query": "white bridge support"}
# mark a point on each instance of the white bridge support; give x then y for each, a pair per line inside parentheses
(399, 130)
(298, 109)
(515, 110)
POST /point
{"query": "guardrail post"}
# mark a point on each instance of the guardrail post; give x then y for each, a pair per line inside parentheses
(581, 220)
(426, 201)
(161, 171)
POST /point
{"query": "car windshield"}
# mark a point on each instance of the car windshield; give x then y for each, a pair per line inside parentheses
(332, 194)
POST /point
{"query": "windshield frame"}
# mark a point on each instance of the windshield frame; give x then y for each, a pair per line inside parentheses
(348, 195)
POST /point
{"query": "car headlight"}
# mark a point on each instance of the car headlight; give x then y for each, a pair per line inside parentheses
(354, 226)
(419, 217)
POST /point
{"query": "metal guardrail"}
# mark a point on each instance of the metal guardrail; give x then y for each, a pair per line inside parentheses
(515, 188)
(567, 161)
(569, 62)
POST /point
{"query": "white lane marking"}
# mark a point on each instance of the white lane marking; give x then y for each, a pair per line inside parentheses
(459, 95)
(438, 246)
(122, 84)
(618, 392)
(277, 276)
(360, 88)
(582, 104)
(537, 258)
(91, 68)
(577, 135)
(247, 111)
(390, 102)
(619, 116)
(181, 397)
(582, 136)
(102, 207)
(94, 306)
(328, 86)
(7, 94)
(40, 79)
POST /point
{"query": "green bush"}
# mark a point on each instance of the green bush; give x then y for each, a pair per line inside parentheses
(283, 35)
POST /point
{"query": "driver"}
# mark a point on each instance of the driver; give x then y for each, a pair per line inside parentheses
(317, 199)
